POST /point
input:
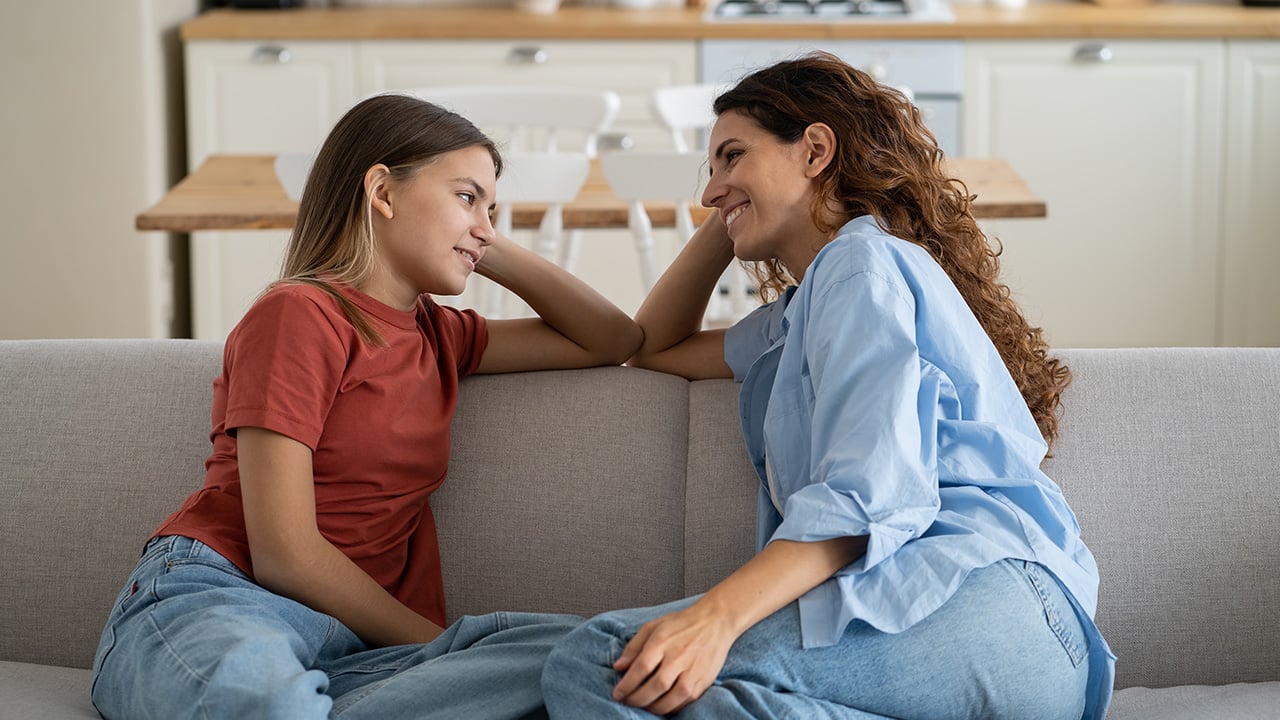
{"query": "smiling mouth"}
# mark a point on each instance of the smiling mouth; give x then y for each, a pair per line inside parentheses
(471, 257)
(734, 214)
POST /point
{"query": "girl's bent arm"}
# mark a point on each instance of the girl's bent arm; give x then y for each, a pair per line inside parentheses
(671, 316)
(672, 660)
(291, 557)
(576, 327)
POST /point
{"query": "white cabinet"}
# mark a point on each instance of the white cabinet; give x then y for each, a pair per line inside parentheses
(633, 69)
(254, 97)
(1123, 141)
(1251, 196)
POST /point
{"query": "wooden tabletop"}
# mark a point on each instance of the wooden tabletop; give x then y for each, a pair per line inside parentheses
(241, 192)
(1146, 19)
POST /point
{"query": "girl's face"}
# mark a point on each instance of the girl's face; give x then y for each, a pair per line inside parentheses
(433, 228)
(763, 189)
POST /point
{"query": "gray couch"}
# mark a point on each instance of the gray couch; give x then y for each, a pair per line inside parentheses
(587, 490)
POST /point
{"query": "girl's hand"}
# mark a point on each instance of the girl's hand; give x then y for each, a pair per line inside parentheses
(672, 660)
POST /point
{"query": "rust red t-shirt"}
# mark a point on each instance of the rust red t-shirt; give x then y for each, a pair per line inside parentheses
(377, 420)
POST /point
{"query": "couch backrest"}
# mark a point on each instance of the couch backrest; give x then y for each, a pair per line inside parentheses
(99, 441)
(581, 491)
(1171, 460)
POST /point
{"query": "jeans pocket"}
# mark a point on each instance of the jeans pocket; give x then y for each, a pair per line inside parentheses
(1058, 613)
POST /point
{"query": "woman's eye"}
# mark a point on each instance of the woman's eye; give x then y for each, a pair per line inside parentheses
(467, 197)
(733, 155)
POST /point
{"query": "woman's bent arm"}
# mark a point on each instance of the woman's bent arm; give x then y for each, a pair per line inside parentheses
(291, 557)
(672, 661)
(576, 327)
(671, 316)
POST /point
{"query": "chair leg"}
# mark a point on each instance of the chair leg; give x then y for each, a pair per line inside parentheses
(642, 231)
(570, 249)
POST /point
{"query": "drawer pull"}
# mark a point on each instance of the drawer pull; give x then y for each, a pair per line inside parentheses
(272, 54)
(528, 54)
(1093, 53)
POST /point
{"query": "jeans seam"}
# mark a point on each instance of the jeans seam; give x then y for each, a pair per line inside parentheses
(1054, 618)
(178, 660)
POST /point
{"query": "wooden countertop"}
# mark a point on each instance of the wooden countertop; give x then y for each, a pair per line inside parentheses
(1037, 20)
(241, 192)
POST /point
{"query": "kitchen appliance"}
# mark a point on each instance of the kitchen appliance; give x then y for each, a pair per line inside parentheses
(831, 10)
(932, 70)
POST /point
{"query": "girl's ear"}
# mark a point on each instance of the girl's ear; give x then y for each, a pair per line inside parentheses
(820, 143)
(377, 187)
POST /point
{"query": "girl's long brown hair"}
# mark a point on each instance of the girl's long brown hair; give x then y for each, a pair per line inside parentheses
(333, 240)
(889, 166)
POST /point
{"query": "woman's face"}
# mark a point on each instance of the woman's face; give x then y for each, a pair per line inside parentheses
(763, 189)
(438, 227)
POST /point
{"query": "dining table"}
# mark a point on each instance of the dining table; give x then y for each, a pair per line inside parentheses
(242, 192)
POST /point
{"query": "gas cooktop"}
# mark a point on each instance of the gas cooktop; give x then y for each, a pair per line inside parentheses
(832, 10)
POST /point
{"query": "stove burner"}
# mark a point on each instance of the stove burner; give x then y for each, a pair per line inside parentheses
(820, 10)
(813, 8)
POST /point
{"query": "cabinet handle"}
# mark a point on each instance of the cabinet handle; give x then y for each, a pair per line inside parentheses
(528, 54)
(268, 54)
(1093, 53)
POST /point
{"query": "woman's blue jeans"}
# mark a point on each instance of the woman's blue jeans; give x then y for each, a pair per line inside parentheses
(191, 636)
(1006, 645)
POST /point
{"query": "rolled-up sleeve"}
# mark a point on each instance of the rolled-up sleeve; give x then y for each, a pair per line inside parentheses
(873, 428)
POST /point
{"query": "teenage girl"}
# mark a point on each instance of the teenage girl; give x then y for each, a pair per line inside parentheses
(303, 579)
(914, 562)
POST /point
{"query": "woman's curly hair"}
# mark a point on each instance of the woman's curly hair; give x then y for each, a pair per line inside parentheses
(889, 166)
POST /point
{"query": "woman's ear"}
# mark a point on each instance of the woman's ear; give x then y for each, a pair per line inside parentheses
(820, 143)
(377, 182)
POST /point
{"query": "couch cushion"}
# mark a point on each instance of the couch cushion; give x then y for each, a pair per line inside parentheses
(44, 692)
(99, 441)
(1171, 460)
(720, 513)
(565, 492)
(1239, 701)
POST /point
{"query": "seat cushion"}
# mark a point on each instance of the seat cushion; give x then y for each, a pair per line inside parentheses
(44, 692)
(1239, 701)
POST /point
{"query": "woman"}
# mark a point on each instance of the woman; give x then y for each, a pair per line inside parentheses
(913, 560)
(303, 580)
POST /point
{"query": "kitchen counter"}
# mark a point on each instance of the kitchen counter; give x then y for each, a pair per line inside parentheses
(1056, 20)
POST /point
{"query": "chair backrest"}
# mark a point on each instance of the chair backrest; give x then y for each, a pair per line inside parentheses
(637, 177)
(685, 107)
(528, 117)
(550, 178)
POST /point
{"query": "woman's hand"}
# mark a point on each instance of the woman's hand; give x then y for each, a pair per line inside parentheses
(672, 660)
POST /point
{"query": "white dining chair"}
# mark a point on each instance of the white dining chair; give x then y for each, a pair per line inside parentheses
(531, 117)
(637, 177)
(684, 108)
(544, 178)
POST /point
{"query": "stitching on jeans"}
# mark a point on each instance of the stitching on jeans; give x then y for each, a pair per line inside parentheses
(151, 618)
(1053, 617)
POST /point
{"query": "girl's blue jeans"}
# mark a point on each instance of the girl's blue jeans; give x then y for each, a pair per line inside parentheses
(1006, 645)
(190, 636)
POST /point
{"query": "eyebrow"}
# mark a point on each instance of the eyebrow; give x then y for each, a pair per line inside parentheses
(480, 192)
(720, 148)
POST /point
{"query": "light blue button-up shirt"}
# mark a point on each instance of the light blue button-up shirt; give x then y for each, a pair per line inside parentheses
(873, 403)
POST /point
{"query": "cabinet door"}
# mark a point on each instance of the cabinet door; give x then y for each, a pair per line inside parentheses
(254, 97)
(631, 68)
(1251, 295)
(1122, 140)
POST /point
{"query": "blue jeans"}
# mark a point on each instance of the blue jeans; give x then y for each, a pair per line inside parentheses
(1006, 645)
(190, 636)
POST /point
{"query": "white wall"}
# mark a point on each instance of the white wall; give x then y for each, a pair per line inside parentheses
(90, 134)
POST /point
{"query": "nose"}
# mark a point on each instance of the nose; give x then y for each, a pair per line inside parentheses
(484, 231)
(713, 193)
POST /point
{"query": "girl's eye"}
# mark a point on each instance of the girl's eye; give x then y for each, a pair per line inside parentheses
(467, 197)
